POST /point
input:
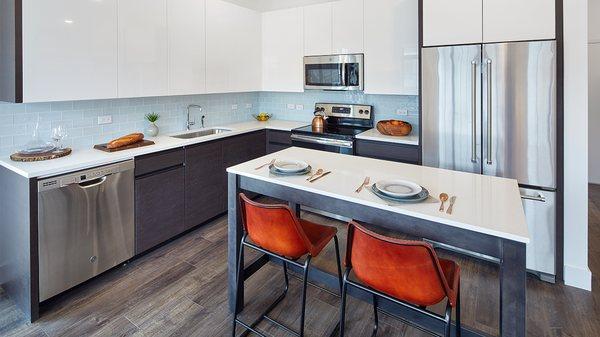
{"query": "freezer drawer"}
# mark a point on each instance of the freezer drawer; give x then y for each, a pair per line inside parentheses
(85, 225)
(540, 211)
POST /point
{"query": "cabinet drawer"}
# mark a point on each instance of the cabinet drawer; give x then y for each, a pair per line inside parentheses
(158, 161)
(279, 137)
(388, 151)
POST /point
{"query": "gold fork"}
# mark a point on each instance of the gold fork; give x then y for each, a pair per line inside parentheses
(365, 183)
(267, 164)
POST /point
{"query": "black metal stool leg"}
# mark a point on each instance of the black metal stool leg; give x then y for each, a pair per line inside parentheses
(304, 285)
(338, 260)
(448, 319)
(343, 304)
(458, 327)
(238, 281)
(376, 316)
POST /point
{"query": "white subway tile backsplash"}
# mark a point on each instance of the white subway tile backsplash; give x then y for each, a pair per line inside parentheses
(80, 117)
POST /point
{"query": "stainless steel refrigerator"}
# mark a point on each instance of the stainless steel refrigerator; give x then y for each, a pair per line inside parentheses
(491, 109)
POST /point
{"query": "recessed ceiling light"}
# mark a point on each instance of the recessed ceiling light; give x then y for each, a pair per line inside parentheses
(69, 21)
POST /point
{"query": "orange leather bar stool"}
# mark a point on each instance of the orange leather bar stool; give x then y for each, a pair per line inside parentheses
(276, 231)
(407, 273)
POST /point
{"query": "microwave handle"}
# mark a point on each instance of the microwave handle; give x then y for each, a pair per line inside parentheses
(344, 75)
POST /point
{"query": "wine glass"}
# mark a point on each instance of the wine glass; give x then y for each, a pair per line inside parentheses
(58, 134)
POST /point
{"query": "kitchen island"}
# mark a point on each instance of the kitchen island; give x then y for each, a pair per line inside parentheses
(488, 218)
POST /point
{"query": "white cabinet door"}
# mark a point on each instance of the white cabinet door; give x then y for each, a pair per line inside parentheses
(143, 50)
(219, 32)
(318, 29)
(245, 57)
(187, 46)
(348, 27)
(452, 22)
(233, 46)
(69, 50)
(391, 47)
(518, 20)
(282, 47)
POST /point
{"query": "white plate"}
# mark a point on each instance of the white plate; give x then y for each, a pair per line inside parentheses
(398, 188)
(287, 165)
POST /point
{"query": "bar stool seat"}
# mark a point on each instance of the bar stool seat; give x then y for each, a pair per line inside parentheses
(276, 231)
(408, 273)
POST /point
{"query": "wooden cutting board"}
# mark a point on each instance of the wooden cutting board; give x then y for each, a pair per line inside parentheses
(102, 147)
(41, 156)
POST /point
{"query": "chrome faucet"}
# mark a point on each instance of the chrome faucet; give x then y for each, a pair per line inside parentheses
(202, 120)
(191, 123)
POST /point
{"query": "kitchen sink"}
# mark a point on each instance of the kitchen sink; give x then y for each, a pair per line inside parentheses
(201, 133)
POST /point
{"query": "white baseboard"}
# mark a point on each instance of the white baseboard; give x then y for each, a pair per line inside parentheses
(578, 277)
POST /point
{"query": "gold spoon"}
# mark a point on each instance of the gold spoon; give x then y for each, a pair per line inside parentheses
(319, 172)
(443, 199)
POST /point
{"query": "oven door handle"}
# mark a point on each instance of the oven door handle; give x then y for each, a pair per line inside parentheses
(323, 141)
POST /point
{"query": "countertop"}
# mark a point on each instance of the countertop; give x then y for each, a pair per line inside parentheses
(88, 158)
(373, 134)
(485, 204)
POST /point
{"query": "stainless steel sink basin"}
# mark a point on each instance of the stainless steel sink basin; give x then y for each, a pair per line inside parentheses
(201, 133)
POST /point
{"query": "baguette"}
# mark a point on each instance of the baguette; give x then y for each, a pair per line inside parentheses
(125, 140)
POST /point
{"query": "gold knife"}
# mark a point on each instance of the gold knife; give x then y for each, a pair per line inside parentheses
(452, 201)
(319, 177)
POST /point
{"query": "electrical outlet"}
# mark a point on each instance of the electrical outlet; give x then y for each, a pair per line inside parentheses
(402, 112)
(234, 107)
(299, 107)
(291, 106)
(104, 119)
(248, 105)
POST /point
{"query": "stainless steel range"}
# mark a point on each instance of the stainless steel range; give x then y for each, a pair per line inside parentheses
(343, 123)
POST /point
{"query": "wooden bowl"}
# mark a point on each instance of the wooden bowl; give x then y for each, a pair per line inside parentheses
(394, 128)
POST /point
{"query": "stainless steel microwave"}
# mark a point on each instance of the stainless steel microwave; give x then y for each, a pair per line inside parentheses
(334, 72)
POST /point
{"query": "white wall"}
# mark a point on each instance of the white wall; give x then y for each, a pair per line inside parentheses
(594, 85)
(269, 5)
(577, 272)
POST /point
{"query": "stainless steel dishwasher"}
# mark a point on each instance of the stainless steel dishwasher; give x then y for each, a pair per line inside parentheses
(86, 225)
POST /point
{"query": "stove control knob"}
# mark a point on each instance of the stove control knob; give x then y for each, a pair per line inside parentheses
(366, 112)
(360, 111)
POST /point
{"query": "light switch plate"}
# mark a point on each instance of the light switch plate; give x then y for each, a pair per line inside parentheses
(291, 106)
(248, 105)
(234, 107)
(104, 119)
(299, 107)
(402, 112)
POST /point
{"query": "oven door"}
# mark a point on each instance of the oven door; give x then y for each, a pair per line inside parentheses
(334, 72)
(323, 144)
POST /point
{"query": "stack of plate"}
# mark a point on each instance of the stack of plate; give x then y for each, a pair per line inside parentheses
(286, 167)
(400, 191)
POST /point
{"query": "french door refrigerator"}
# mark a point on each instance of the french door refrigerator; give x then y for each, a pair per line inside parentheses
(491, 109)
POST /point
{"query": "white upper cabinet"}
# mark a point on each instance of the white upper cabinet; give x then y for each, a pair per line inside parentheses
(391, 47)
(348, 27)
(143, 48)
(318, 29)
(187, 46)
(518, 20)
(452, 22)
(233, 47)
(282, 50)
(487, 21)
(69, 50)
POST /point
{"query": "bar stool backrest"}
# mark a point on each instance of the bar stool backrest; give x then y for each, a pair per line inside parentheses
(406, 270)
(274, 228)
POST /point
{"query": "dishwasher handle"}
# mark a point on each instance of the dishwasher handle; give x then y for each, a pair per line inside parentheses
(93, 183)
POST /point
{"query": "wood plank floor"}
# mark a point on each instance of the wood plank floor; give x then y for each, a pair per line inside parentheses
(180, 290)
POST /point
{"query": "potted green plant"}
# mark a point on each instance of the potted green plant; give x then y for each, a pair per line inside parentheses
(152, 130)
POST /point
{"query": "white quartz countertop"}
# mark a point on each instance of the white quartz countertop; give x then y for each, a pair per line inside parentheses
(88, 158)
(373, 134)
(484, 204)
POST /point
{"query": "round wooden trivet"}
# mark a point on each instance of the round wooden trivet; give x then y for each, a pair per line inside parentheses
(41, 156)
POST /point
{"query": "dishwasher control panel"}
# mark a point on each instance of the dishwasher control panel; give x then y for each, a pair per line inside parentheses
(83, 176)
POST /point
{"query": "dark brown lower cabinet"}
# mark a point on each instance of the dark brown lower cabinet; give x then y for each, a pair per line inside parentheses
(159, 207)
(278, 140)
(410, 154)
(205, 183)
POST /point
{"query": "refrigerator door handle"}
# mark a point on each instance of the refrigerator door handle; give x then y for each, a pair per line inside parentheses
(489, 111)
(539, 197)
(474, 111)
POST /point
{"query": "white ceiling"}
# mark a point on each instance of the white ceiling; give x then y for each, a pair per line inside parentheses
(269, 5)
